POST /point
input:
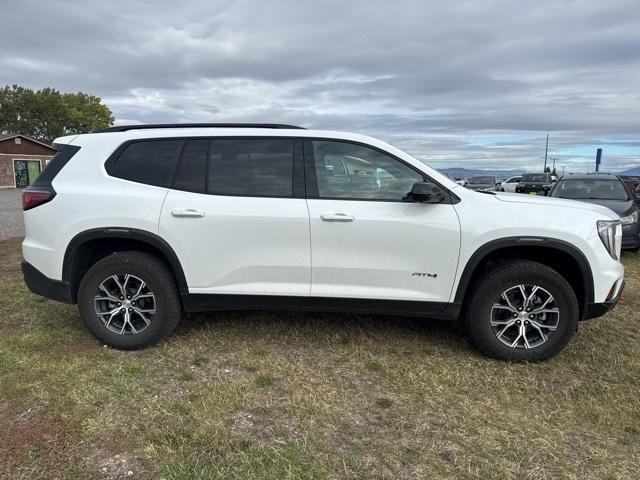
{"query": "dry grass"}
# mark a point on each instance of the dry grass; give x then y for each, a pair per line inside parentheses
(281, 395)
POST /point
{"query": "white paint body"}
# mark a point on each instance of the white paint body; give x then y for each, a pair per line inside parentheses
(280, 246)
(510, 184)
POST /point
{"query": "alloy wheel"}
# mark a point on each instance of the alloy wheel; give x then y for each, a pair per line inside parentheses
(525, 316)
(125, 304)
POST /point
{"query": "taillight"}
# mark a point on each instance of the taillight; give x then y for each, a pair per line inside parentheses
(33, 196)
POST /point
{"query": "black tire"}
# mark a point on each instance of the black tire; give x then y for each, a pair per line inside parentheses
(159, 280)
(487, 291)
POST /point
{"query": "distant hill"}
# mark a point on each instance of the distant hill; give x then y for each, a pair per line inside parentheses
(469, 172)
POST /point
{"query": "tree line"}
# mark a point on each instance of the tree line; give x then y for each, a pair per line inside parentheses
(47, 113)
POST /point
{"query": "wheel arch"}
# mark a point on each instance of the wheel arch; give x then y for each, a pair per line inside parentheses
(91, 245)
(560, 255)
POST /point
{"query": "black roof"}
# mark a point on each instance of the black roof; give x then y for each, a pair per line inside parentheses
(148, 126)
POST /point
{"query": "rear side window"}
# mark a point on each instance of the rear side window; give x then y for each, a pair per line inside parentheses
(251, 167)
(152, 162)
(192, 171)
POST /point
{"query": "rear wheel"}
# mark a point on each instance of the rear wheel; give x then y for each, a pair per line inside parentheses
(129, 300)
(522, 311)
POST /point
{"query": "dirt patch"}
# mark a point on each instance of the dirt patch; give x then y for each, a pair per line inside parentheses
(10, 256)
(35, 435)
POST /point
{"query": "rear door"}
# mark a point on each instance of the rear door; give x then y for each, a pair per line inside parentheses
(368, 243)
(237, 218)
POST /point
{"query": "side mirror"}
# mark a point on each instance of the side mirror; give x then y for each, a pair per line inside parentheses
(426, 192)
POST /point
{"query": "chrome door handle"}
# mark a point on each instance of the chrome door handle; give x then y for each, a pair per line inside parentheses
(337, 217)
(188, 213)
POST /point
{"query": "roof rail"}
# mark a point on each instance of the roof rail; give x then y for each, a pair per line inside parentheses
(148, 126)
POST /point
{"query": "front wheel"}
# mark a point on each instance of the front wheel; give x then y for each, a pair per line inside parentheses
(521, 311)
(129, 300)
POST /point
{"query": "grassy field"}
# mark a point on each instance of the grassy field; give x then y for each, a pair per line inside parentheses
(281, 395)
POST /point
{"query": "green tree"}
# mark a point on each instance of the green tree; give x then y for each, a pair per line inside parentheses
(46, 114)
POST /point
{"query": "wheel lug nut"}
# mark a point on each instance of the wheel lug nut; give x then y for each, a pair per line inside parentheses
(121, 297)
(122, 310)
(119, 304)
(131, 309)
(531, 317)
(526, 322)
(133, 303)
(518, 322)
(520, 309)
(515, 315)
(528, 309)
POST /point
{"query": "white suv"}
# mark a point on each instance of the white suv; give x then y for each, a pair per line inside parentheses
(136, 224)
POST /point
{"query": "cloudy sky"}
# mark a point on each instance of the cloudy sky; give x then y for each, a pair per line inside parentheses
(456, 83)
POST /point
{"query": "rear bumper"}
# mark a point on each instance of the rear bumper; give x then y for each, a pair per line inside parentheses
(42, 285)
(530, 190)
(595, 310)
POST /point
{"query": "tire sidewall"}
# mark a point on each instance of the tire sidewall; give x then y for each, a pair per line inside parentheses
(120, 266)
(489, 292)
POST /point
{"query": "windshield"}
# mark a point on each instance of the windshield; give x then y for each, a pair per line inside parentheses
(536, 178)
(477, 180)
(590, 190)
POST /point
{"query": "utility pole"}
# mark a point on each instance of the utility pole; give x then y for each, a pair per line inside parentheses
(598, 159)
(546, 149)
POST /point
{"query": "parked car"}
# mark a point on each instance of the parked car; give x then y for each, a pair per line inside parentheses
(606, 190)
(486, 183)
(509, 185)
(137, 224)
(534, 184)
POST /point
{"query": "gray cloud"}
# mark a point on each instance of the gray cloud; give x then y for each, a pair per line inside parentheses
(455, 83)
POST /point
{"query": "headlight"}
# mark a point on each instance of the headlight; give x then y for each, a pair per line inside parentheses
(628, 219)
(611, 235)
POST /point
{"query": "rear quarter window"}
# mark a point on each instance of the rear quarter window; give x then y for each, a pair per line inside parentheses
(152, 162)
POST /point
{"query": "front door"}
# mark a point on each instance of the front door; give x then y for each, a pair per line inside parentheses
(26, 172)
(237, 220)
(366, 242)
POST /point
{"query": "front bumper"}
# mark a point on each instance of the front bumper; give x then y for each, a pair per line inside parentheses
(595, 310)
(630, 236)
(42, 285)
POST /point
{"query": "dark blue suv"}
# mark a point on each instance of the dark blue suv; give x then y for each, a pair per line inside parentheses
(609, 191)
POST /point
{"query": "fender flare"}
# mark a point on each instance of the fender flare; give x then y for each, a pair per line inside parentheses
(481, 253)
(143, 236)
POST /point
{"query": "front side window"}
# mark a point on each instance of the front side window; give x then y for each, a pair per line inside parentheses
(351, 171)
(152, 162)
(251, 167)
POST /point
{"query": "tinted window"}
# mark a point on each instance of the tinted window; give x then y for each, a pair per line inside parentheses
(482, 180)
(192, 170)
(151, 161)
(251, 167)
(590, 190)
(536, 178)
(347, 170)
